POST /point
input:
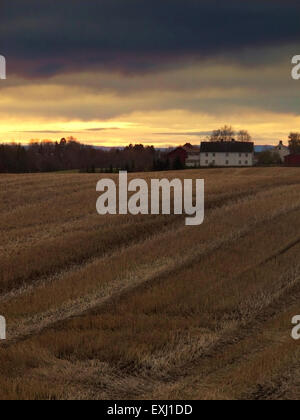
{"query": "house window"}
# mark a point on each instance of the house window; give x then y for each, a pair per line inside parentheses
(240, 155)
(214, 154)
(227, 162)
(246, 163)
(246, 154)
(240, 162)
(206, 154)
(213, 162)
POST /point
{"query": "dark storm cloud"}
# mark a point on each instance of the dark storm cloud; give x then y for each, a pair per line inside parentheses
(48, 37)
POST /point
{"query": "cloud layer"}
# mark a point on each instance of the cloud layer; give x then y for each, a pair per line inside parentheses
(43, 38)
(158, 71)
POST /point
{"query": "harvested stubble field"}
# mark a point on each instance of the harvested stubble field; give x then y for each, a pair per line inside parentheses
(142, 307)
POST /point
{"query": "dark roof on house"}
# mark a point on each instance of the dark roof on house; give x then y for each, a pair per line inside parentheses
(226, 147)
(190, 148)
(175, 152)
(187, 149)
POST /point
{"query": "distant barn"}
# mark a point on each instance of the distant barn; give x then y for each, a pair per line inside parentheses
(188, 155)
(292, 160)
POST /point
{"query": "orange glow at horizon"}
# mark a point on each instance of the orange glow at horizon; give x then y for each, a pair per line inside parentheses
(164, 109)
(150, 128)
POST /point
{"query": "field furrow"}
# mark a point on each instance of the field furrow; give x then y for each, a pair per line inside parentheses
(144, 307)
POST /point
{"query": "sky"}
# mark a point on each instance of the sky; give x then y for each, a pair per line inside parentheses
(162, 72)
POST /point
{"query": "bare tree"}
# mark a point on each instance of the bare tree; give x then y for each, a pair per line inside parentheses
(215, 136)
(225, 133)
(244, 136)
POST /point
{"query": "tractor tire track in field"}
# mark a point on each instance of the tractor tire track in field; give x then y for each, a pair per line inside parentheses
(139, 386)
(287, 296)
(286, 387)
(283, 300)
(244, 331)
(84, 305)
(202, 357)
(222, 345)
(142, 232)
(39, 278)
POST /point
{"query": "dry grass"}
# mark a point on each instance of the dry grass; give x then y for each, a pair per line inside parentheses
(145, 307)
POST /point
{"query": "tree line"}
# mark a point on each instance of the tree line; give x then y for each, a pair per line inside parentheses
(69, 154)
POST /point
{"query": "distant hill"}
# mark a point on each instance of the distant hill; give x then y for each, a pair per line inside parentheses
(259, 149)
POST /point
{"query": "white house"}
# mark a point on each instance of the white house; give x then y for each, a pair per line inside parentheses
(282, 150)
(223, 153)
(193, 153)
